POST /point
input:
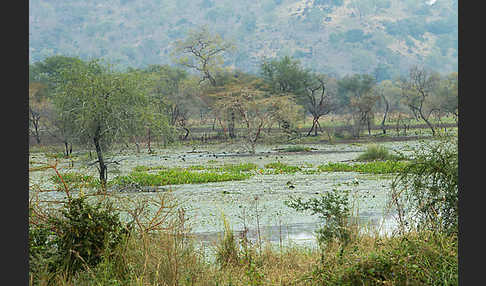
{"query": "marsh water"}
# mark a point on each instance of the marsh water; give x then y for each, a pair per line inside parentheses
(258, 203)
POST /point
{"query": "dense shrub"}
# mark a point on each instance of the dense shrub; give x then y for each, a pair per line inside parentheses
(422, 258)
(426, 191)
(86, 232)
(77, 239)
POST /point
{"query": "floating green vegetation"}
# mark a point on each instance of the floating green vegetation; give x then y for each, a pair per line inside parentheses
(280, 168)
(74, 180)
(296, 149)
(147, 168)
(242, 167)
(177, 177)
(375, 167)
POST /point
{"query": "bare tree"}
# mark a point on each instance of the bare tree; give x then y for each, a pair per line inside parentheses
(318, 100)
(416, 91)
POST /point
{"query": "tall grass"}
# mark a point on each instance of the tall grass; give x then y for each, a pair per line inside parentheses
(377, 152)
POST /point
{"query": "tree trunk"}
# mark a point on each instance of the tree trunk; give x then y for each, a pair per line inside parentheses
(369, 125)
(148, 143)
(427, 122)
(315, 123)
(66, 148)
(102, 166)
(231, 125)
(187, 133)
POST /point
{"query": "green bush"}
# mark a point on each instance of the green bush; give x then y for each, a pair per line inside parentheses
(428, 187)
(85, 233)
(333, 210)
(377, 152)
(76, 238)
(411, 259)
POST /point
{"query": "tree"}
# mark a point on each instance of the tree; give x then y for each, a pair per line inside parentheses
(174, 93)
(389, 94)
(417, 90)
(203, 51)
(37, 108)
(102, 105)
(446, 95)
(49, 70)
(255, 108)
(356, 94)
(318, 99)
(284, 75)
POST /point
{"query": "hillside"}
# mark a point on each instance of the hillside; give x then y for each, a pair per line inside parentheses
(383, 37)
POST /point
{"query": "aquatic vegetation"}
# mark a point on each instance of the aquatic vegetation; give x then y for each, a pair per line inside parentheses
(374, 167)
(280, 168)
(147, 168)
(74, 180)
(177, 177)
(296, 149)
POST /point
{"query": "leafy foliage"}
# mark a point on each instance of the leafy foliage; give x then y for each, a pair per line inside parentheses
(426, 191)
(333, 209)
(77, 239)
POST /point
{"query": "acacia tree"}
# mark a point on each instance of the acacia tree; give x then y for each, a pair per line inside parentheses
(103, 106)
(417, 90)
(203, 51)
(255, 108)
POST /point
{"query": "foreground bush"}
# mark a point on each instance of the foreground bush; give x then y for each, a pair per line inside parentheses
(77, 238)
(425, 193)
(417, 258)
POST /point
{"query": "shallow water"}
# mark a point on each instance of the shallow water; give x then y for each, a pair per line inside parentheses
(258, 199)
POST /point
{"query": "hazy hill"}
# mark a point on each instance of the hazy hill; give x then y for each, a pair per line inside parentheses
(331, 36)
